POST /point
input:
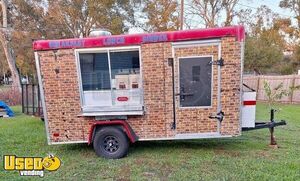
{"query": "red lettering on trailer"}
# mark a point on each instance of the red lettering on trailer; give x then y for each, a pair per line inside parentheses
(122, 99)
(137, 39)
(249, 103)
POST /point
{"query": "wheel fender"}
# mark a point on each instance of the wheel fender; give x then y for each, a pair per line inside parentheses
(127, 129)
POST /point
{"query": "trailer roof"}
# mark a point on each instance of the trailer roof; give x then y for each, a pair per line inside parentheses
(137, 39)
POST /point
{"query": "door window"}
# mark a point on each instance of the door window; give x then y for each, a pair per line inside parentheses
(195, 81)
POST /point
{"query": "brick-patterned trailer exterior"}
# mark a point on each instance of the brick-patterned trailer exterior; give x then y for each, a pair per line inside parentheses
(58, 69)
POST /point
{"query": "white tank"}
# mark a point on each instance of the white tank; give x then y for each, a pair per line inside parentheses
(248, 109)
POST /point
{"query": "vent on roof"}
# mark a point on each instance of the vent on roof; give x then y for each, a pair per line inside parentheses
(100, 32)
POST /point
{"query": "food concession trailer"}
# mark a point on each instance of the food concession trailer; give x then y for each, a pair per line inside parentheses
(113, 90)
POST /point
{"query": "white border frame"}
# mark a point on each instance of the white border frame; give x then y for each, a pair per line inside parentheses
(42, 94)
(212, 78)
(242, 46)
(191, 136)
(203, 43)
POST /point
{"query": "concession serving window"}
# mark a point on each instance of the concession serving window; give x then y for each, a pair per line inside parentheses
(110, 81)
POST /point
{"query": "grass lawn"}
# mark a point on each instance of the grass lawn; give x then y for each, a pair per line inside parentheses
(247, 157)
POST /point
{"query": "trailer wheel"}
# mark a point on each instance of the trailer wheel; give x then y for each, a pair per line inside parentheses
(111, 142)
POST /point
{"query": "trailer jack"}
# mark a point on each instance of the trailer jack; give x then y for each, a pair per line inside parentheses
(271, 125)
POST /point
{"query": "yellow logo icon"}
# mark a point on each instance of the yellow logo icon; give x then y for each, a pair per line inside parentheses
(31, 166)
(51, 163)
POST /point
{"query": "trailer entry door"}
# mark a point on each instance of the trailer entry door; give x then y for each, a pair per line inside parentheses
(196, 89)
(195, 81)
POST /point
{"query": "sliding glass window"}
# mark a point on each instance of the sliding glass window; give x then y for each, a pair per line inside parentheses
(95, 71)
(111, 79)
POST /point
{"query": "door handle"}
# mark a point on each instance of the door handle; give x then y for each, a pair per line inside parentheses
(184, 94)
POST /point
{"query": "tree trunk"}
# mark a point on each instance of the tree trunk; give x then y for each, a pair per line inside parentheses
(4, 36)
(4, 78)
(4, 13)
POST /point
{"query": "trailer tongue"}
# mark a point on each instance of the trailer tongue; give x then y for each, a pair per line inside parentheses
(270, 124)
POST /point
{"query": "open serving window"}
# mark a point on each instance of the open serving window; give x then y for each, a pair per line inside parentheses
(110, 81)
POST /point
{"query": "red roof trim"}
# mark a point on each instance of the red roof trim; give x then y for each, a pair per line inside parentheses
(136, 39)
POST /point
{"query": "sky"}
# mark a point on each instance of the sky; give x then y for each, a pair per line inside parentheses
(245, 4)
(272, 4)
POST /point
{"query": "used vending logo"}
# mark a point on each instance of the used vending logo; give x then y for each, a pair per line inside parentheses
(31, 166)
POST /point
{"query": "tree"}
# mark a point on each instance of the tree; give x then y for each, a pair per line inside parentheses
(296, 57)
(24, 52)
(28, 22)
(161, 15)
(29, 16)
(5, 38)
(260, 54)
(276, 93)
(285, 25)
(229, 7)
(3, 65)
(80, 17)
(55, 19)
(264, 43)
(207, 11)
(294, 6)
(245, 18)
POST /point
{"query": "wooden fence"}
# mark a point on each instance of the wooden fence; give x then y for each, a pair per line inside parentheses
(257, 83)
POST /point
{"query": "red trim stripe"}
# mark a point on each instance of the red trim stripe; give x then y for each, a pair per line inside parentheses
(137, 39)
(249, 103)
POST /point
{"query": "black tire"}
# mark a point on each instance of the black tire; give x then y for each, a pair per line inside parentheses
(111, 142)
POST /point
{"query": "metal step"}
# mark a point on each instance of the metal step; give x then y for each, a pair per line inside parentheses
(3, 112)
(4, 115)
